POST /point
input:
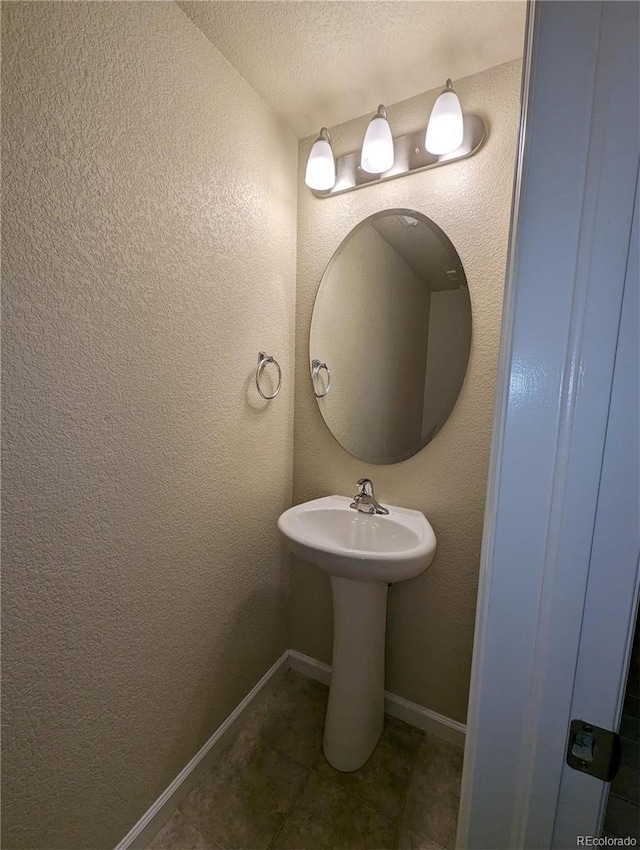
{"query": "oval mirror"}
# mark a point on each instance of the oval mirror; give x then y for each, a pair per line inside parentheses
(390, 336)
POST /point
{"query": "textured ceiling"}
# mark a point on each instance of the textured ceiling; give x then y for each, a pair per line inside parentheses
(318, 62)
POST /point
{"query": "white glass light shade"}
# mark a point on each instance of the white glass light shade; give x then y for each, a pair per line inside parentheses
(377, 148)
(321, 167)
(445, 128)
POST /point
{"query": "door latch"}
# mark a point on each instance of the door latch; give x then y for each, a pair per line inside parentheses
(594, 750)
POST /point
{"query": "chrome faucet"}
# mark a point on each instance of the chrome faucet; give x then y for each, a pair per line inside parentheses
(364, 500)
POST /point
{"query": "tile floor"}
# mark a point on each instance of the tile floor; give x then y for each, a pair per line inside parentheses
(273, 788)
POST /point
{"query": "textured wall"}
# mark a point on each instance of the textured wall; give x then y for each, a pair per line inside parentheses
(148, 254)
(430, 622)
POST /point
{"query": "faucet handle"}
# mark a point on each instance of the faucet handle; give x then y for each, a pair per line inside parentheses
(365, 487)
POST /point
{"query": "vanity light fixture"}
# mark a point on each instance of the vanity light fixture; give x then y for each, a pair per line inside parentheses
(450, 136)
(321, 166)
(445, 129)
(377, 148)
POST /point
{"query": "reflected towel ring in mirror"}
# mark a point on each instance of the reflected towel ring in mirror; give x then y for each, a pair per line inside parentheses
(263, 361)
(316, 366)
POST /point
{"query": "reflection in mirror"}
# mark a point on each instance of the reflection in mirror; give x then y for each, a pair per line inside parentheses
(391, 326)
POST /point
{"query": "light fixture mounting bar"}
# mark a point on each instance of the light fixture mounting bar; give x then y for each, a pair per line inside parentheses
(410, 156)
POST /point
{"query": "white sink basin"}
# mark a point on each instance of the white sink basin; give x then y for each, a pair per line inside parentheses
(365, 547)
(363, 553)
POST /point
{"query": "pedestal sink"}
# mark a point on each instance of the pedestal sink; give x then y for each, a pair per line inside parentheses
(362, 553)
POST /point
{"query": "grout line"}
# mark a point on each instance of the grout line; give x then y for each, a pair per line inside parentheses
(404, 806)
(295, 799)
(332, 781)
(425, 838)
(199, 829)
(197, 825)
(414, 765)
(208, 836)
(395, 818)
(350, 793)
(216, 846)
(347, 791)
(625, 800)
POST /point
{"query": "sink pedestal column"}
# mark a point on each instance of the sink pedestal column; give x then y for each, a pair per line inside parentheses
(355, 714)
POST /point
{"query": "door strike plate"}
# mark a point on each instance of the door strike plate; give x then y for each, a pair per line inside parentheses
(593, 750)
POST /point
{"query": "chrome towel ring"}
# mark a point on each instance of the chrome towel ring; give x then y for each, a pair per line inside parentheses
(263, 361)
(316, 366)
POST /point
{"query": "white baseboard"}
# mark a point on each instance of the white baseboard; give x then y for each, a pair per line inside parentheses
(139, 835)
(310, 667)
(160, 811)
(425, 719)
